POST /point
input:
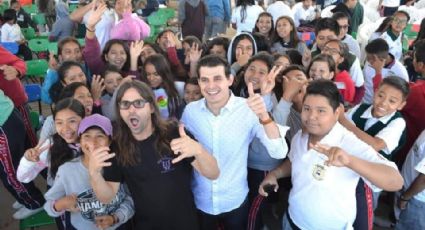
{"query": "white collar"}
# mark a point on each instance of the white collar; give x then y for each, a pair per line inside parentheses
(367, 114)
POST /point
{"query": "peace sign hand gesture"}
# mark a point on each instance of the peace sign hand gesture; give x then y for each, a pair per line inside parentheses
(33, 154)
(269, 82)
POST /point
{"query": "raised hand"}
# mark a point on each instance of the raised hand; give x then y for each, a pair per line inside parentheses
(256, 103)
(195, 53)
(136, 48)
(96, 15)
(98, 158)
(378, 64)
(292, 87)
(184, 146)
(53, 63)
(241, 57)
(267, 85)
(306, 59)
(9, 72)
(336, 156)
(97, 87)
(104, 222)
(33, 154)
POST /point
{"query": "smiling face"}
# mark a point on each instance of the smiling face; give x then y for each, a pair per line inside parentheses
(153, 77)
(71, 52)
(137, 119)
(399, 23)
(264, 25)
(147, 51)
(320, 70)
(318, 116)
(255, 73)
(66, 124)
(93, 138)
(387, 100)
(83, 95)
(284, 28)
(192, 93)
(74, 74)
(324, 36)
(215, 86)
(116, 56)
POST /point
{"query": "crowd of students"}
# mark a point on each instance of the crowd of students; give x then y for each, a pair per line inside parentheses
(199, 132)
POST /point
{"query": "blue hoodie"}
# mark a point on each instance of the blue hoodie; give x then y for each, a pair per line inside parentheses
(219, 9)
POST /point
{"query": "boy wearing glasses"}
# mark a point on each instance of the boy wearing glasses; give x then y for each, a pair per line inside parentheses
(155, 158)
(343, 21)
(394, 34)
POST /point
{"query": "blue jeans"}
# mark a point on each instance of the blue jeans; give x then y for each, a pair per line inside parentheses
(214, 26)
(413, 217)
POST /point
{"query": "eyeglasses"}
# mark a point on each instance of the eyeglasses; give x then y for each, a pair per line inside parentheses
(345, 27)
(331, 51)
(139, 103)
(400, 21)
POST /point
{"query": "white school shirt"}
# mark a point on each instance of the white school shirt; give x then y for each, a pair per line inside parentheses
(104, 27)
(330, 203)
(279, 9)
(248, 24)
(396, 47)
(11, 33)
(415, 164)
(390, 134)
(302, 14)
(391, 3)
(227, 137)
(356, 73)
(397, 69)
(353, 45)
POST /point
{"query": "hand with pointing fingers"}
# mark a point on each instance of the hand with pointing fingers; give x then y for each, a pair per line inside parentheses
(336, 156)
(97, 87)
(267, 85)
(33, 154)
(184, 146)
(256, 103)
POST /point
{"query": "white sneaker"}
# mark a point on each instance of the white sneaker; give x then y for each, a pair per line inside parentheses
(25, 212)
(17, 205)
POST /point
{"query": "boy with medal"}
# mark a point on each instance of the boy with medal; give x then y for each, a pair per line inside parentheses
(325, 163)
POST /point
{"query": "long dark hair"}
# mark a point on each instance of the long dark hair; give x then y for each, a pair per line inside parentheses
(421, 33)
(109, 44)
(264, 14)
(163, 69)
(385, 24)
(243, 4)
(60, 152)
(293, 34)
(126, 144)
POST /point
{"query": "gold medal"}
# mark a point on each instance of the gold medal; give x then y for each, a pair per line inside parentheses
(319, 171)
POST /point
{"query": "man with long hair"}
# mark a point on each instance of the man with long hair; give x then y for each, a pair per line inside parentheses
(155, 159)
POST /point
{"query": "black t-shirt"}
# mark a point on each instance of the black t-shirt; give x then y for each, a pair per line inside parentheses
(161, 190)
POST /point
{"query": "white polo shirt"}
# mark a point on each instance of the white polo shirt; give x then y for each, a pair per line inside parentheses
(248, 24)
(415, 164)
(302, 14)
(396, 47)
(329, 203)
(279, 9)
(397, 69)
(391, 3)
(390, 134)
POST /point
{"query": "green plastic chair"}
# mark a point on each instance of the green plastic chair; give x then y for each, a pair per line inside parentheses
(31, 9)
(72, 7)
(29, 33)
(36, 220)
(38, 45)
(3, 7)
(37, 67)
(53, 48)
(39, 19)
(82, 41)
(155, 19)
(167, 13)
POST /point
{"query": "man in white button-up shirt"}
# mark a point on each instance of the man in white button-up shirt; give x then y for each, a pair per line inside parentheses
(225, 125)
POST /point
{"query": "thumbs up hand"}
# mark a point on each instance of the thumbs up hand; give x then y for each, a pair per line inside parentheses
(184, 146)
(256, 103)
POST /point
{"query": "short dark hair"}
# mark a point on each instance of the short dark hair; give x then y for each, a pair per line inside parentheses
(217, 41)
(379, 47)
(66, 40)
(65, 66)
(213, 60)
(325, 88)
(294, 67)
(14, 2)
(69, 90)
(191, 81)
(9, 14)
(341, 15)
(397, 83)
(192, 39)
(403, 12)
(327, 24)
(419, 49)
